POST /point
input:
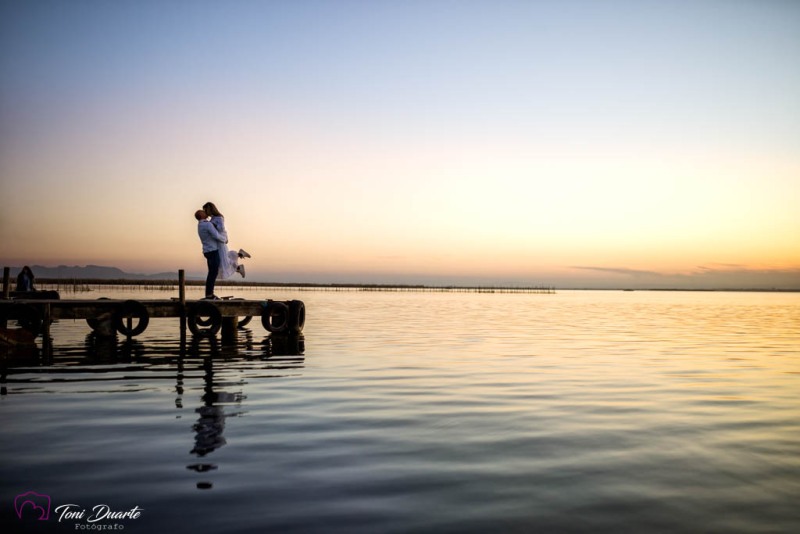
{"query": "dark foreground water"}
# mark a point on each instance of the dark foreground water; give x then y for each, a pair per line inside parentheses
(420, 412)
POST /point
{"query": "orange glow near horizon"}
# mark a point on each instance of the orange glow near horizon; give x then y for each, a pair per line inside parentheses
(329, 164)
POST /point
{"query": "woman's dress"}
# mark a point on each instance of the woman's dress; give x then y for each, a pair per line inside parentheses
(228, 259)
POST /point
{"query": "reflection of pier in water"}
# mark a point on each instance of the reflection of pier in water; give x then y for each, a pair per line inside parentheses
(120, 366)
(120, 363)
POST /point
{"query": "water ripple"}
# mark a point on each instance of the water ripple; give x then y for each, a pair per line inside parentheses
(574, 412)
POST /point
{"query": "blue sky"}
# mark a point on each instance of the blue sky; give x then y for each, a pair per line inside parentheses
(504, 141)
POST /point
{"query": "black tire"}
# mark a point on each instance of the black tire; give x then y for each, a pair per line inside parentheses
(195, 318)
(94, 322)
(297, 316)
(275, 317)
(28, 317)
(131, 309)
(241, 323)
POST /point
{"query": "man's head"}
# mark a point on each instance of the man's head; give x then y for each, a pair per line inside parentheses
(200, 215)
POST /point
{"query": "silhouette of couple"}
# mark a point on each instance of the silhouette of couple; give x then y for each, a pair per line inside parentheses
(222, 263)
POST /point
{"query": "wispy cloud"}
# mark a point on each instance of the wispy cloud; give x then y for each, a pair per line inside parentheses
(716, 267)
(741, 270)
(619, 270)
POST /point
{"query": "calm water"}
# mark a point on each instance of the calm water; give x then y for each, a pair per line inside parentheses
(423, 412)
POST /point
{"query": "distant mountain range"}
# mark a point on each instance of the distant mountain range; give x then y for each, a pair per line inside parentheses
(92, 272)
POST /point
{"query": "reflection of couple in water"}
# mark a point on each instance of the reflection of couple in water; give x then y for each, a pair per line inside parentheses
(211, 423)
(222, 263)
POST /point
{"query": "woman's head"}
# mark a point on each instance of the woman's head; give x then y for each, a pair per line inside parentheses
(211, 209)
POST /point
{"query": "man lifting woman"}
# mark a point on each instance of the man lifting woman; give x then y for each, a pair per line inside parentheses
(222, 263)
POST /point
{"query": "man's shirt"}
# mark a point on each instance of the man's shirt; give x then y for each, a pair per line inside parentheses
(209, 236)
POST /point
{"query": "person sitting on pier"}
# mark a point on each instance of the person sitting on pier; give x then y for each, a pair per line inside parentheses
(25, 280)
(211, 241)
(229, 260)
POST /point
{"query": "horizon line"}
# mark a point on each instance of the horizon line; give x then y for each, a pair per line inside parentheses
(73, 281)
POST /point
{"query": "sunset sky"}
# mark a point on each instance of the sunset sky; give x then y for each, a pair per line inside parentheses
(566, 143)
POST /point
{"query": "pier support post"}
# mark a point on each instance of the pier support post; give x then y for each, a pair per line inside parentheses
(6, 282)
(46, 341)
(182, 299)
(229, 326)
(6, 291)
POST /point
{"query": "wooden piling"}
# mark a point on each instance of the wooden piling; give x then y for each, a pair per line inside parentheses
(46, 348)
(6, 291)
(229, 326)
(182, 286)
(182, 300)
(6, 282)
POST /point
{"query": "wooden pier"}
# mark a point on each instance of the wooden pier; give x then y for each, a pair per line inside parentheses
(107, 317)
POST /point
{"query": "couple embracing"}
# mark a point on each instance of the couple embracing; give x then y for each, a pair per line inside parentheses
(222, 263)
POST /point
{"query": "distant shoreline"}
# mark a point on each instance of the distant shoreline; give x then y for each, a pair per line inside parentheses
(77, 283)
(67, 283)
(64, 275)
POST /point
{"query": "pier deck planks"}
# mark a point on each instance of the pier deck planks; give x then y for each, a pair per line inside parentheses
(86, 309)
